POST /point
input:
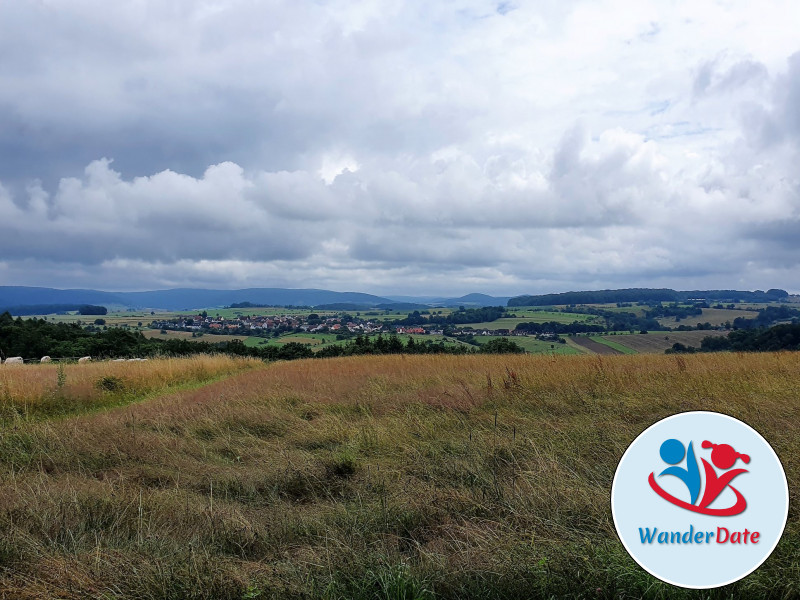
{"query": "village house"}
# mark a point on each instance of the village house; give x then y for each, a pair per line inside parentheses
(417, 330)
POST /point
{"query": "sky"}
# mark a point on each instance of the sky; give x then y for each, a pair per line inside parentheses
(400, 147)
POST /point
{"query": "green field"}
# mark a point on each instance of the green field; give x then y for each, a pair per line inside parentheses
(538, 315)
(533, 317)
(614, 344)
(318, 341)
(532, 345)
(209, 338)
(716, 316)
(112, 319)
(637, 310)
(311, 339)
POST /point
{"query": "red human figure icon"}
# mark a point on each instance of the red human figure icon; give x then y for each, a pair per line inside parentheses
(724, 457)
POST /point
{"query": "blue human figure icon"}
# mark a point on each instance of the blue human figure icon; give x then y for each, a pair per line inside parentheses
(672, 452)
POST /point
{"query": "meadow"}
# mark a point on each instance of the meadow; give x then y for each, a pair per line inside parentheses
(534, 316)
(396, 477)
(317, 341)
(715, 316)
(612, 343)
(212, 338)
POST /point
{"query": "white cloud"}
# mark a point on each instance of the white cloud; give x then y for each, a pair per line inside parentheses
(400, 146)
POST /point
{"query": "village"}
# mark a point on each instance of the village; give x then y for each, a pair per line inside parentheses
(270, 324)
(345, 325)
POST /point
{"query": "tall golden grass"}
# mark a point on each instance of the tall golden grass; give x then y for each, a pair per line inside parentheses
(26, 388)
(371, 477)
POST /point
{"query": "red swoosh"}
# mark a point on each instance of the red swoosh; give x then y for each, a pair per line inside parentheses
(737, 508)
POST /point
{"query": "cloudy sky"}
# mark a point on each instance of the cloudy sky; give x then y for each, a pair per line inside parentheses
(400, 147)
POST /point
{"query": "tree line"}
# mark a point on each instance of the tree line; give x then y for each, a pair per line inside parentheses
(462, 316)
(675, 310)
(766, 317)
(772, 339)
(647, 295)
(559, 328)
(50, 309)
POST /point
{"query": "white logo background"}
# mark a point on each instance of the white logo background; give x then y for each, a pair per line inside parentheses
(635, 505)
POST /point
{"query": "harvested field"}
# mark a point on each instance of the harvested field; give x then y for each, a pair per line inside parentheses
(659, 341)
(594, 346)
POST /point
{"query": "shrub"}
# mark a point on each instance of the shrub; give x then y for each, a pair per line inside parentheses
(110, 383)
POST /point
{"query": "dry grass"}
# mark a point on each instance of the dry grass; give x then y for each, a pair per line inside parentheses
(372, 477)
(27, 390)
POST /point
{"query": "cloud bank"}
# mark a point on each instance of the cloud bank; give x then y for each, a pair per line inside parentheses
(396, 147)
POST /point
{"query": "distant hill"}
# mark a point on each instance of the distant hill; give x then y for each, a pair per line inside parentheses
(40, 309)
(413, 299)
(188, 298)
(648, 295)
(20, 298)
(472, 300)
(347, 306)
(11, 296)
(404, 306)
(180, 299)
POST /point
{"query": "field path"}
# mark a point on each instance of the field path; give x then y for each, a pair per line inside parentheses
(594, 346)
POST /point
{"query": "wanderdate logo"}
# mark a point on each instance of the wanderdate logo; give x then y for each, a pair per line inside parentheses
(699, 499)
(723, 457)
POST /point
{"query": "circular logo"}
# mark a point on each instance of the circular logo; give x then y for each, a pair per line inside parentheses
(699, 499)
